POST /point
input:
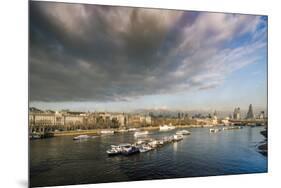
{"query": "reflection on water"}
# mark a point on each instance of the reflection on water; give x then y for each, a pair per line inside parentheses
(175, 147)
(62, 161)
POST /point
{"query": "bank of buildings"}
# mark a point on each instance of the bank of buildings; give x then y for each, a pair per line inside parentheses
(66, 120)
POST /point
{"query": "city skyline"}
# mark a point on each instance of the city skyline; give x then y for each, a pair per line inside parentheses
(243, 113)
(88, 57)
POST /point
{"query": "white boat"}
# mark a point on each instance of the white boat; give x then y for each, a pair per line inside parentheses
(179, 133)
(107, 132)
(160, 142)
(115, 150)
(141, 141)
(167, 139)
(145, 148)
(183, 132)
(130, 150)
(214, 130)
(153, 144)
(80, 137)
(132, 129)
(142, 133)
(178, 137)
(122, 130)
(166, 127)
(231, 128)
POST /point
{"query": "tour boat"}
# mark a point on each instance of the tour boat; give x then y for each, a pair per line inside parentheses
(231, 128)
(145, 148)
(132, 129)
(183, 132)
(130, 150)
(80, 137)
(160, 142)
(214, 130)
(122, 130)
(142, 133)
(141, 141)
(107, 132)
(153, 144)
(178, 137)
(166, 127)
(115, 150)
(35, 136)
(167, 139)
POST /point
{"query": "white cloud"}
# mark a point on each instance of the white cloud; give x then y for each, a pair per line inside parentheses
(207, 61)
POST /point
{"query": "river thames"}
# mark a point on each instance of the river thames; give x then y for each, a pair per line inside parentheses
(62, 161)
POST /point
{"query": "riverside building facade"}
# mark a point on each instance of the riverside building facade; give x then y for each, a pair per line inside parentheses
(40, 121)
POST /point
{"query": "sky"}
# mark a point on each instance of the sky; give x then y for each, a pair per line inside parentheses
(105, 58)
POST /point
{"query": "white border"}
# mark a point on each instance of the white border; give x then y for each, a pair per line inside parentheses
(14, 32)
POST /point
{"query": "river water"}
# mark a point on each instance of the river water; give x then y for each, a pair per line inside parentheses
(62, 161)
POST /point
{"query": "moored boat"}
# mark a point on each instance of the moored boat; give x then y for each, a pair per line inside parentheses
(107, 132)
(145, 148)
(122, 130)
(183, 132)
(232, 128)
(35, 136)
(130, 150)
(142, 133)
(132, 129)
(143, 141)
(167, 139)
(38, 135)
(81, 137)
(177, 137)
(153, 144)
(115, 150)
(214, 130)
(166, 127)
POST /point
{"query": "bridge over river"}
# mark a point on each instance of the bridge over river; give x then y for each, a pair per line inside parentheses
(249, 122)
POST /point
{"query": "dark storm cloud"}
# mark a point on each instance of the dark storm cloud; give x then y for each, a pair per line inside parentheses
(101, 53)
